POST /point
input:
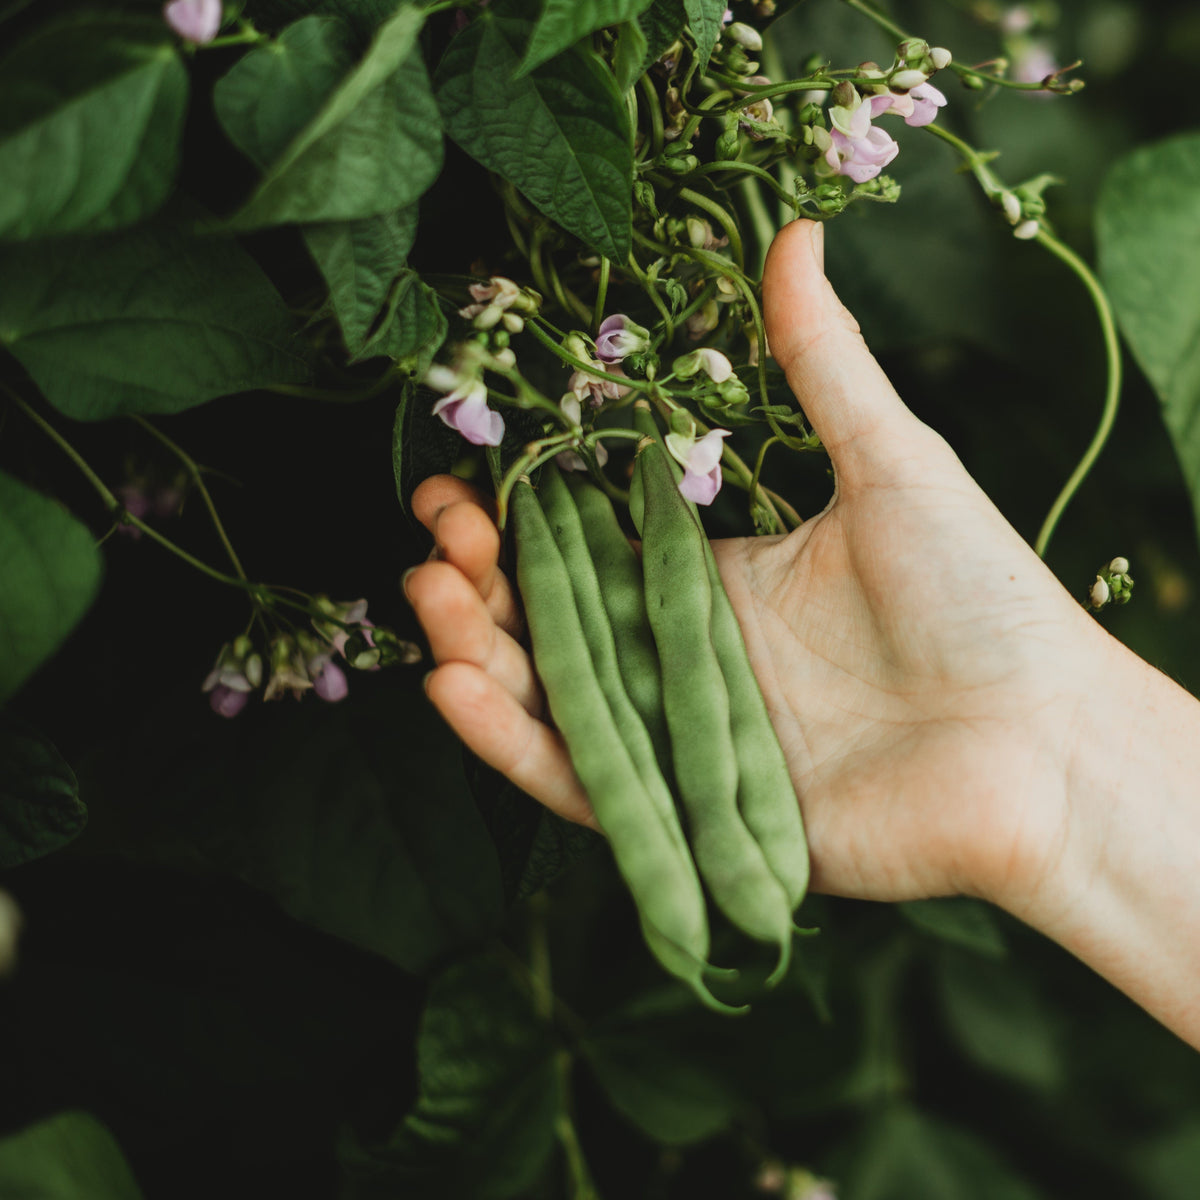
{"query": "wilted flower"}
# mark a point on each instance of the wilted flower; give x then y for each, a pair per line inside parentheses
(499, 301)
(289, 672)
(195, 21)
(618, 337)
(595, 390)
(701, 462)
(704, 320)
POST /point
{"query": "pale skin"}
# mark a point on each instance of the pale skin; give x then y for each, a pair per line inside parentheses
(955, 722)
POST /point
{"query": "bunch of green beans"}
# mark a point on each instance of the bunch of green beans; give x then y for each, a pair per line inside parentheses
(647, 679)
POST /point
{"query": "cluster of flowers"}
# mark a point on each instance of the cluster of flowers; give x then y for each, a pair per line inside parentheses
(300, 662)
(1114, 585)
(856, 148)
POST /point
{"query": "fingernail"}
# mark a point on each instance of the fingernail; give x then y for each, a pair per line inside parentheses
(817, 241)
(425, 681)
(404, 583)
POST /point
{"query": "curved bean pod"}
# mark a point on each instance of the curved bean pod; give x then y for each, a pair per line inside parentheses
(619, 575)
(661, 879)
(696, 702)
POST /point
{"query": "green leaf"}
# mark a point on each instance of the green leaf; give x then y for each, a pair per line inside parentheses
(1000, 1020)
(958, 920)
(49, 573)
(905, 1155)
(483, 1124)
(564, 22)
(1149, 259)
(662, 23)
(704, 17)
(40, 809)
(629, 58)
(361, 261)
(70, 1156)
(413, 326)
(1167, 1165)
(336, 141)
(149, 320)
(354, 817)
(559, 135)
(91, 116)
(673, 1097)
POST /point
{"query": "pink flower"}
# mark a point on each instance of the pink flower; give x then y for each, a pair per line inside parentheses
(1032, 61)
(619, 337)
(195, 21)
(918, 106)
(227, 701)
(595, 390)
(701, 462)
(466, 410)
(330, 682)
(857, 149)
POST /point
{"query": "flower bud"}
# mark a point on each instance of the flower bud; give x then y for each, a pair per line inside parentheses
(513, 322)
(1011, 206)
(940, 57)
(1100, 593)
(904, 81)
(575, 345)
(745, 36)
(1119, 566)
(712, 362)
(912, 50)
(1026, 230)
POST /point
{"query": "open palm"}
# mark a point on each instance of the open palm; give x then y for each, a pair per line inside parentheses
(913, 651)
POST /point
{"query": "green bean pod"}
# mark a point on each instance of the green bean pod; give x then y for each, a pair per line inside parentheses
(658, 871)
(696, 702)
(618, 570)
(766, 795)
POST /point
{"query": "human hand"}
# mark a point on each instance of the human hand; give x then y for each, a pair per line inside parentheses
(922, 667)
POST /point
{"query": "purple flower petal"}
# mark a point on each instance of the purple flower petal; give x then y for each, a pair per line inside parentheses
(194, 20)
(226, 702)
(330, 684)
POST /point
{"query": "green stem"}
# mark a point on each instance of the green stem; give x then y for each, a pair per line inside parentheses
(734, 165)
(718, 213)
(114, 505)
(1112, 394)
(647, 285)
(601, 293)
(760, 220)
(655, 111)
(873, 14)
(531, 324)
(198, 479)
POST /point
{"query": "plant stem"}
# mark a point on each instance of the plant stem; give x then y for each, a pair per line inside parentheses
(718, 213)
(601, 293)
(114, 506)
(1112, 393)
(531, 324)
(198, 479)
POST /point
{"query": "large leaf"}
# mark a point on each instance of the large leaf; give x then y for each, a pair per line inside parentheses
(676, 1098)
(356, 819)
(483, 1124)
(361, 261)
(412, 327)
(336, 141)
(145, 321)
(559, 134)
(958, 920)
(999, 1019)
(40, 808)
(49, 572)
(564, 22)
(905, 1155)
(91, 114)
(1149, 255)
(71, 1156)
(705, 19)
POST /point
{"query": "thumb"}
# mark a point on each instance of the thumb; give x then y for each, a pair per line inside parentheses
(841, 388)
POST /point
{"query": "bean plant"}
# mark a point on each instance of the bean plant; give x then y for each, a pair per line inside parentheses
(266, 928)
